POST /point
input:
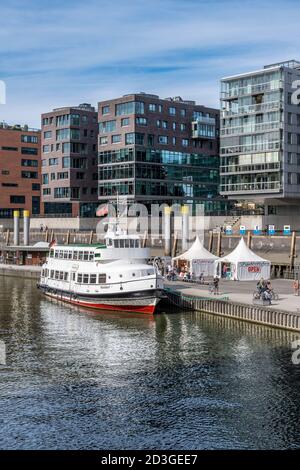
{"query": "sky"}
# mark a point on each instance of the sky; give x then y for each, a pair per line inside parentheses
(62, 53)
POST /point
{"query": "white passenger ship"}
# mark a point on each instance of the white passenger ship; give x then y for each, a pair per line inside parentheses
(113, 276)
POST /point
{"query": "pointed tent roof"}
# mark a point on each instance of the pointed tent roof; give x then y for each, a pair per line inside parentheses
(196, 251)
(242, 253)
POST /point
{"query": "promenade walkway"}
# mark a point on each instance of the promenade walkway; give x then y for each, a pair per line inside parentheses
(243, 292)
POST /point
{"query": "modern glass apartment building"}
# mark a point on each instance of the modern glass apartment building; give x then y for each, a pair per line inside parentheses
(260, 134)
(156, 150)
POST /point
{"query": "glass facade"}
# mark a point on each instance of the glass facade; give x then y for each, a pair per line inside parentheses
(252, 133)
(156, 176)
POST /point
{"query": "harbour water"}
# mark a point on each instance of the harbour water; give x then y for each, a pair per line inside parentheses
(75, 379)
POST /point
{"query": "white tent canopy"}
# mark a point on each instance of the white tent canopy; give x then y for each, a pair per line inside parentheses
(245, 265)
(200, 260)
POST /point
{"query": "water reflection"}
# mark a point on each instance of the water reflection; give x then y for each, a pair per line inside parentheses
(79, 379)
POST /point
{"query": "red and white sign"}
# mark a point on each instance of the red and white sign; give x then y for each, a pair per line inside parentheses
(254, 269)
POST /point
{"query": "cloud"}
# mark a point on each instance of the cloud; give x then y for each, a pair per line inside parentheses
(63, 53)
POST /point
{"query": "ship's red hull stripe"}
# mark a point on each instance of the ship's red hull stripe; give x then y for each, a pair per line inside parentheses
(149, 309)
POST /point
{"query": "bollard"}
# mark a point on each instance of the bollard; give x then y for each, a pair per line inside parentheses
(16, 227)
(185, 227)
(26, 227)
(167, 223)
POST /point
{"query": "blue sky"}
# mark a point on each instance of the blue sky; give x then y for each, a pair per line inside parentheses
(59, 53)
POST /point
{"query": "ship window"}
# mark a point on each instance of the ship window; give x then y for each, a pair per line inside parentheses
(80, 255)
(79, 277)
(150, 272)
(126, 243)
(61, 275)
(86, 255)
(93, 278)
(56, 254)
(65, 255)
(46, 272)
(65, 276)
(52, 274)
(51, 253)
(43, 273)
(133, 274)
(70, 254)
(102, 278)
(91, 256)
(56, 274)
(121, 243)
(85, 279)
(116, 243)
(61, 254)
(75, 255)
(131, 243)
(121, 275)
(73, 276)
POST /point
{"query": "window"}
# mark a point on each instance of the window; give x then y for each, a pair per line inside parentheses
(139, 138)
(182, 127)
(103, 140)
(12, 149)
(172, 111)
(63, 134)
(289, 138)
(125, 122)
(183, 112)
(25, 162)
(152, 107)
(29, 151)
(130, 107)
(35, 187)
(29, 174)
(62, 175)
(52, 176)
(115, 139)
(84, 118)
(158, 123)
(162, 139)
(53, 161)
(290, 158)
(66, 162)
(45, 179)
(105, 109)
(46, 148)
(174, 126)
(93, 278)
(107, 126)
(185, 142)
(150, 140)
(101, 278)
(47, 134)
(141, 121)
(79, 277)
(85, 279)
(129, 138)
(66, 147)
(29, 139)
(174, 140)
(164, 124)
(17, 199)
(46, 191)
(63, 120)
(290, 118)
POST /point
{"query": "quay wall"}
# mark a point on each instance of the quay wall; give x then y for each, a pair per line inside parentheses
(239, 311)
(28, 272)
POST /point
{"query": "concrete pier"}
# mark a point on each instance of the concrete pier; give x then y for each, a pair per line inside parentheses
(285, 314)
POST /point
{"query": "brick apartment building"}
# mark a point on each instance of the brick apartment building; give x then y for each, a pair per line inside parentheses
(20, 170)
(69, 161)
(159, 151)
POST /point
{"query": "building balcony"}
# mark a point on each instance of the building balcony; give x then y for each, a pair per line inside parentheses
(248, 148)
(252, 109)
(252, 89)
(251, 128)
(246, 169)
(204, 128)
(250, 188)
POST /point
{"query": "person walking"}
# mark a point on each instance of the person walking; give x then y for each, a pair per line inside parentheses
(216, 286)
(296, 286)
